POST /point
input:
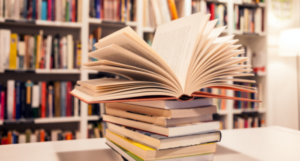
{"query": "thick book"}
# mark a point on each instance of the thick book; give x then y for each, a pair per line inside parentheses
(132, 157)
(187, 55)
(162, 142)
(187, 129)
(148, 153)
(158, 120)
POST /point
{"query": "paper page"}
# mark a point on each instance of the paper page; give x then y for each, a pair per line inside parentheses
(175, 42)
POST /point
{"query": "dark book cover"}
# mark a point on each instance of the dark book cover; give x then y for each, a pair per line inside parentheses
(23, 100)
(18, 100)
(57, 99)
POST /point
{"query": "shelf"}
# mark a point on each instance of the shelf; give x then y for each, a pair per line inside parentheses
(216, 1)
(222, 112)
(56, 120)
(57, 71)
(240, 33)
(148, 29)
(93, 118)
(239, 111)
(240, 3)
(99, 21)
(42, 23)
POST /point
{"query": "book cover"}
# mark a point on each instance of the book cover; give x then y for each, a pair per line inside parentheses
(63, 99)
(23, 100)
(10, 98)
(13, 51)
(49, 9)
(44, 99)
(44, 10)
(18, 100)
(50, 101)
(57, 88)
(35, 101)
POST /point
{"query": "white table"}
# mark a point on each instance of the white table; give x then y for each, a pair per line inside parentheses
(272, 143)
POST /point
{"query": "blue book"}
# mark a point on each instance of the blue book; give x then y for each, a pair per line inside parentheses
(18, 99)
(34, 10)
(97, 6)
(44, 10)
(14, 138)
(63, 99)
(23, 100)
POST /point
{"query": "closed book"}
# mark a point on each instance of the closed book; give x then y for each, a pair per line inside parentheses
(160, 142)
(35, 100)
(10, 98)
(23, 100)
(70, 52)
(193, 111)
(44, 99)
(57, 99)
(28, 135)
(3, 105)
(53, 5)
(74, 11)
(13, 51)
(5, 39)
(148, 153)
(50, 101)
(158, 120)
(67, 11)
(69, 104)
(44, 10)
(18, 100)
(22, 138)
(48, 52)
(21, 54)
(42, 135)
(63, 88)
(132, 157)
(166, 131)
(28, 108)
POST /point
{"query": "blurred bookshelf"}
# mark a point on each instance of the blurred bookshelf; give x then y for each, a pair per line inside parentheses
(87, 24)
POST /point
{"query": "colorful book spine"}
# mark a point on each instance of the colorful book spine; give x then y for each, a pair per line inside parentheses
(63, 99)
(44, 10)
(43, 101)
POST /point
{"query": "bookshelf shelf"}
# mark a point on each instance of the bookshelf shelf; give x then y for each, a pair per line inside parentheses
(216, 1)
(42, 23)
(56, 120)
(148, 29)
(93, 118)
(249, 4)
(97, 21)
(57, 71)
(240, 33)
(239, 111)
(222, 112)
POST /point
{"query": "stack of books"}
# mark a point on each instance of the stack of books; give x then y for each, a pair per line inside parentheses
(156, 110)
(158, 130)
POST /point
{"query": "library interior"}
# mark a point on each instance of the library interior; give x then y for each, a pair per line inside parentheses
(130, 80)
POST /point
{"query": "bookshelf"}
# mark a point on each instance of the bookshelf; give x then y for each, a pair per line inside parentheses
(84, 28)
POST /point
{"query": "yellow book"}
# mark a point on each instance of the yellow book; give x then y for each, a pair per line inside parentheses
(38, 49)
(173, 10)
(148, 153)
(13, 51)
(90, 109)
(123, 11)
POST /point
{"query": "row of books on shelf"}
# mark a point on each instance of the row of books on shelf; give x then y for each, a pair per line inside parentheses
(217, 11)
(32, 136)
(249, 1)
(48, 10)
(249, 19)
(244, 104)
(96, 130)
(157, 12)
(113, 10)
(93, 38)
(24, 52)
(241, 122)
(37, 100)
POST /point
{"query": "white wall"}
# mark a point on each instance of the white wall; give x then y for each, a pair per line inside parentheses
(281, 80)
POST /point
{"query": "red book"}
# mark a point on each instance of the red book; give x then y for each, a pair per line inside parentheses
(246, 123)
(2, 105)
(212, 11)
(73, 11)
(4, 141)
(15, 105)
(49, 9)
(42, 136)
(69, 99)
(43, 101)
(101, 10)
(9, 138)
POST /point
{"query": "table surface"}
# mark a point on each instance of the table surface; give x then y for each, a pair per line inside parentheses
(271, 143)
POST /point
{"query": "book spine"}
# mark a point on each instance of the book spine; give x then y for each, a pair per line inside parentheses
(43, 100)
(63, 99)
(50, 101)
(57, 99)
(70, 51)
(18, 100)
(13, 51)
(49, 9)
(10, 98)
(3, 104)
(73, 11)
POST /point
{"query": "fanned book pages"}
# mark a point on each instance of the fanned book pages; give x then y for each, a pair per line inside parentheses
(187, 55)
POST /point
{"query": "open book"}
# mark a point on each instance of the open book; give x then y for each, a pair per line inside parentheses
(186, 55)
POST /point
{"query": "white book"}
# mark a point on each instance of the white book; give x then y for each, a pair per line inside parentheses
(58, 11)
(22, 138)
(70, 56)
(157, 14)
(79, 10)
(77, 135)
(164, 9)
(35, 96)
(17, 11)
(63, 10)
(1, 8)
(64, 52)
(10, 98)
(6, 8)
(76, 101)
(54, 134)
(258, 19)
(33, 138)
(31, 52)
(48, 51)
(5, 47)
